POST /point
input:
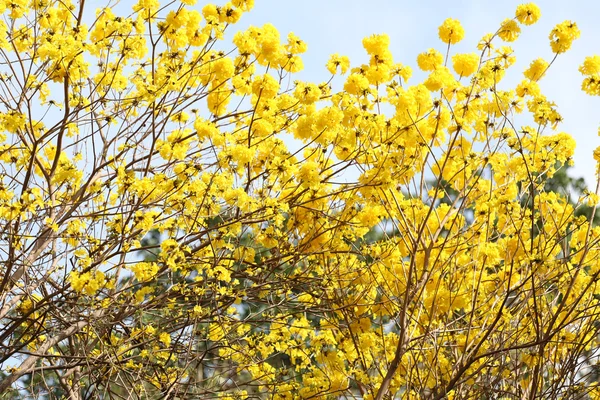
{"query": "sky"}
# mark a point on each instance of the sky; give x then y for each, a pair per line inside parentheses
(338, 26)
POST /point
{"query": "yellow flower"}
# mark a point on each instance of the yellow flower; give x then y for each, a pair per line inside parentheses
(229, 14)
(336, 61)
(140, 294)
(376, 44)
(205, 129)
(403, 71)
(430, 60)
(295, 45)
(562, 36)
(265, 86)
(591, 85)
(356, 84)
(536, 69)
(590, 66)
(528, 14)
(465, 64)
(597, 154)
(451, 31)
(509, 30)
(309, 173)
(144, 271)
(165, 339)
(309, 93)
(527, 88)
(26, 306)
(88, 283)
(438, 79)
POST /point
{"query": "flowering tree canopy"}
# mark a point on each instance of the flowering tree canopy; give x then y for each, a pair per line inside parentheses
(181, 218)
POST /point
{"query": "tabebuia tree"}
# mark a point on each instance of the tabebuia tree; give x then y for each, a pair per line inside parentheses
(182, 218)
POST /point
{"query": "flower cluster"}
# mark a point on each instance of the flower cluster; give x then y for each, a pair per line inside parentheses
(182, 217)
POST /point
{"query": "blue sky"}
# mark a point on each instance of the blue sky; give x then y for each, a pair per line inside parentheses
(338, 26)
